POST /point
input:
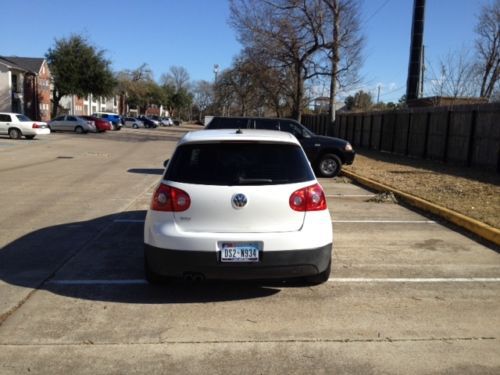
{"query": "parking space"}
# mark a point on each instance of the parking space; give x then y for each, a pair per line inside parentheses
(407, 294)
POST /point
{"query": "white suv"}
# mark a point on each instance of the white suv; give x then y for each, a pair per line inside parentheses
(238, 204)
(16, 125)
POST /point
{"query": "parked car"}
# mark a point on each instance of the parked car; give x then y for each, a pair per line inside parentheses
(73, 124)
(113, 118)
(326, 154)
(100, 124)
(149, 122)
(166, 121)
(16, 125)
(238, 204)
(132, 122)
(177, 122)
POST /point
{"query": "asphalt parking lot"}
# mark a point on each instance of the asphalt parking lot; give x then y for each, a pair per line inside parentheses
(407, 294)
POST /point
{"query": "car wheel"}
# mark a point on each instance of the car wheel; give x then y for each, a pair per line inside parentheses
(153, 277)
(29, 136)
(135, 126)
(79, 130)
(320, 278)
(14, 133)
(329, 165)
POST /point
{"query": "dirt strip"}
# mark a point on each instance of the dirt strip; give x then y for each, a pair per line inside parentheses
(472, 192)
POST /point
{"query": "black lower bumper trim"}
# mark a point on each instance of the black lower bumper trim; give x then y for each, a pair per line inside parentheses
(272, 264)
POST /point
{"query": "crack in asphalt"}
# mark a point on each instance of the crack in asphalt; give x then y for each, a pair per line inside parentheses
(290, 341)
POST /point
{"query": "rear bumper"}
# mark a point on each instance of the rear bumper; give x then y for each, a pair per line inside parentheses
(272, 264)
(35, 131)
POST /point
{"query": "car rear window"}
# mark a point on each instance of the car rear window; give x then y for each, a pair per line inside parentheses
(231, 163)
(23, 118)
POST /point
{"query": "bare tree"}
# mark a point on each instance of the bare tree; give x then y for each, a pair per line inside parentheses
(300, 39)
(239, 78)
(178, 77)
(345, 47)
(203, 96)
(457, 76)
(137, 88)
(488, 47)
(289, 31)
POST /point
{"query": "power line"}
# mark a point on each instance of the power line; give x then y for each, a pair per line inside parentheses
(393, 91)
(369, 18)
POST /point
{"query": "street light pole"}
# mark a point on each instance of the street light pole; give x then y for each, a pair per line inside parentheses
(216, 71)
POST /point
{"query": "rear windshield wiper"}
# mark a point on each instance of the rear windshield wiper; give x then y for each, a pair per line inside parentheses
(243, 180)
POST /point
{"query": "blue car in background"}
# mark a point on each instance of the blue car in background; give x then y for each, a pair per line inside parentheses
(113, 118)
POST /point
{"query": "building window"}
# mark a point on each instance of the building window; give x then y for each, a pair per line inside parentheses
(14, 83)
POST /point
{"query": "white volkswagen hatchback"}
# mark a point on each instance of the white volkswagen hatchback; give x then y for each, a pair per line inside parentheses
(236, 204)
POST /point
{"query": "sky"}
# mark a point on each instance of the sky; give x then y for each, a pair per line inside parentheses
(195, 34)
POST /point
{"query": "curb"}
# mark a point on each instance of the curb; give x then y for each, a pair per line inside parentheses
(481, 229)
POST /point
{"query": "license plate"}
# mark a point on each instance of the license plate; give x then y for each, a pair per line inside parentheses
(239, 252)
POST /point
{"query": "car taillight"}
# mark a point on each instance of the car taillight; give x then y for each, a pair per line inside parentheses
(311, 198)
(168, 198)
(36, 126)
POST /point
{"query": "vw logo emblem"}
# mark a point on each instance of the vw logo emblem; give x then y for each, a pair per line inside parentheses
(239, 200)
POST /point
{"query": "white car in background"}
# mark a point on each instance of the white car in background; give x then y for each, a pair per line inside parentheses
(238, 204)
(132, 122)
(72, 123)
(166, 121)
(16, 125)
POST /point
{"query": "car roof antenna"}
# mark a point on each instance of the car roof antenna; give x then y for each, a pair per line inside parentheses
(239, 131)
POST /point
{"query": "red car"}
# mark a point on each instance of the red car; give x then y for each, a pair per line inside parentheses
(100, 124)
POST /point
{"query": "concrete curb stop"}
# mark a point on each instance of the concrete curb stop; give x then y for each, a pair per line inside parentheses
(480, 229)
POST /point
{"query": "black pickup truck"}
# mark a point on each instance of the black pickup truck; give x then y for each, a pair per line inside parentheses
(326, 154)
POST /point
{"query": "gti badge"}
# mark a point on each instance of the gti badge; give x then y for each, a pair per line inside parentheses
(239, 200)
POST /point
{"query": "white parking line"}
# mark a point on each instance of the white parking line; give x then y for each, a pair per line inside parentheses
(416, 280)
(387, 221)
(343, 280)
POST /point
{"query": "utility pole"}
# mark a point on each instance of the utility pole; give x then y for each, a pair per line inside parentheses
(415, 64)
(378, 94)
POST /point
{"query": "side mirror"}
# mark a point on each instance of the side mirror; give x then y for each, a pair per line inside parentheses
(165, 163)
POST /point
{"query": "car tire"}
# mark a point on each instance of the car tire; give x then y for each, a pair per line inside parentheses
(329, 165)
(79, 130)
(321, 277)
(153, 277)
(14, 133)
(29, 136)
(135, 126)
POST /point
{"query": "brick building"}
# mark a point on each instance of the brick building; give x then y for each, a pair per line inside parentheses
(25, 86)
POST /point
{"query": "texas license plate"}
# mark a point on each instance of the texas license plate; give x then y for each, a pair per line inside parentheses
(239, 252)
